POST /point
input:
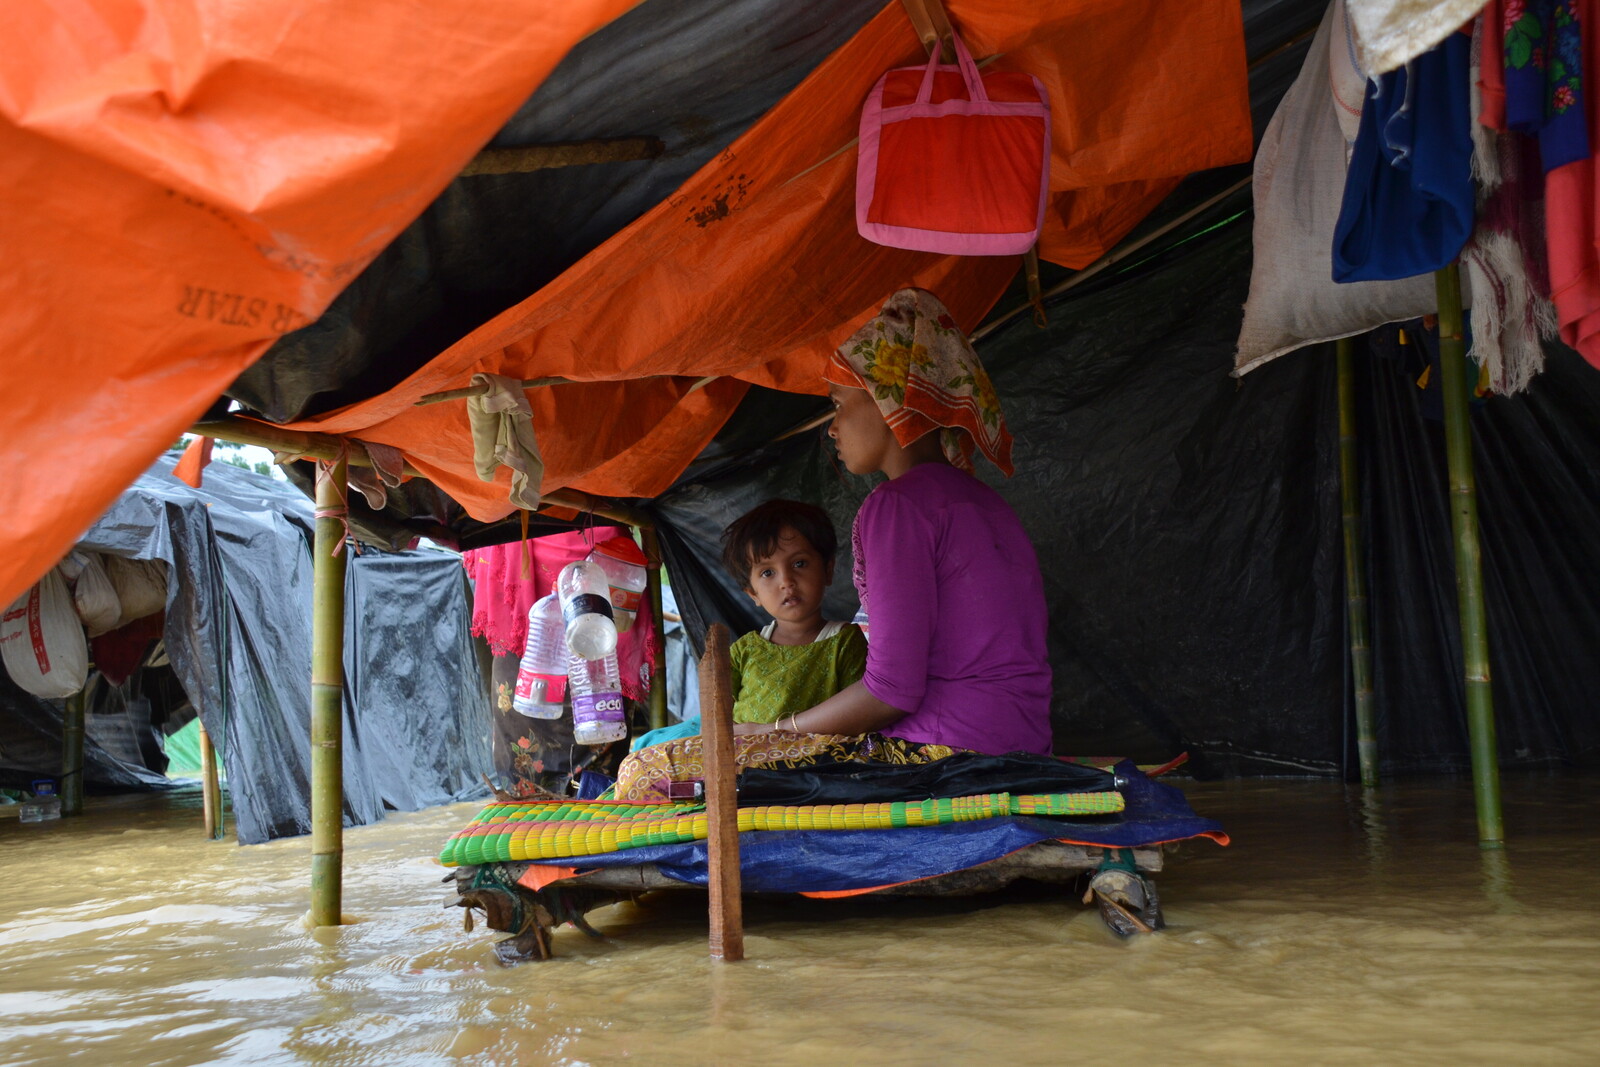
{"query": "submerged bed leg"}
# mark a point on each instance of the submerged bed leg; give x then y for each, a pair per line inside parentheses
(722, 810)
(1127, 900)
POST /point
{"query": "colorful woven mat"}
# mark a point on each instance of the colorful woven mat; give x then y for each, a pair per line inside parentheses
(552, 829)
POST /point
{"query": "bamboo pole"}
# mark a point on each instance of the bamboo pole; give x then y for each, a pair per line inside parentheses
(1469, 561)
(658, 659)
(722, 806)
(1355, 567)
(210, 785)
(72, 755)
(327, 697)
(329, 447)
(526, 158)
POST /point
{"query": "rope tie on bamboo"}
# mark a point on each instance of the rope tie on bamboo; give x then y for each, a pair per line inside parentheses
(340, 511)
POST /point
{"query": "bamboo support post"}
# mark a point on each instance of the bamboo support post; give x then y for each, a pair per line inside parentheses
(658, 658)
(329, 447)
(722, 806)
(327, 697)
(527, 158)
(1469, 560)
(1355, 568)
(72, 755)
(210, 785)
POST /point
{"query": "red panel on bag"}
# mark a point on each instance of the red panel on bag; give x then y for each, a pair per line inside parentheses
(960, 173)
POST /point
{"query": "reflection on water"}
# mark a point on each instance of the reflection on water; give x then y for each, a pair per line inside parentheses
(1342, 923)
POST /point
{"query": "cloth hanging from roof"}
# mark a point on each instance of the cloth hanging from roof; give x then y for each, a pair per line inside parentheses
(183, 183)
(502, 436)
(1298, 186)
(1391, 33)
(1543, 77)
(1572, 217)
(1408, 197)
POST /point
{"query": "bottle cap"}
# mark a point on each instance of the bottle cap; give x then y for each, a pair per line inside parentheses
(623, 548)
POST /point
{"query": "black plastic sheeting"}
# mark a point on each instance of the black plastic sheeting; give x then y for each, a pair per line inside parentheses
(238, 633)
(1188, 528)
(693, 75)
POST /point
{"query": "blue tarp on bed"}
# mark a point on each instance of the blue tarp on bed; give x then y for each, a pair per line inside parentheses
(813, 861)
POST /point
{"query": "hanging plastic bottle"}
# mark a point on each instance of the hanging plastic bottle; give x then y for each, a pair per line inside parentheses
(626, 570)
(585, 594)
(542, 674)
(597, 710)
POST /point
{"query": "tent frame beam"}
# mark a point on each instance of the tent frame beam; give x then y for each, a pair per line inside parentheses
(328, 447)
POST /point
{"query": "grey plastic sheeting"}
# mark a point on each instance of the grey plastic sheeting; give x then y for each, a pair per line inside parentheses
(238, 633)
(1189, 533)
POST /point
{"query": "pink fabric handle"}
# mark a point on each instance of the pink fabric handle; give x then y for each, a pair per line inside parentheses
(969, 73)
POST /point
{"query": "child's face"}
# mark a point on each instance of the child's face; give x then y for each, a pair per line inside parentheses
(788, 584)
(863, 438)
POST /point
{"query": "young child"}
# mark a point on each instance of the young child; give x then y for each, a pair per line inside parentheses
(782, 554)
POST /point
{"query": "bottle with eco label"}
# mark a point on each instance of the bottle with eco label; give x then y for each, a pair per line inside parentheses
(626, 570)
(597, 710)
(542, 674)
(585, 594)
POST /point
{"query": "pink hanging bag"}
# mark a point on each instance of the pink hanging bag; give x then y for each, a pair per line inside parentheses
(953, 162)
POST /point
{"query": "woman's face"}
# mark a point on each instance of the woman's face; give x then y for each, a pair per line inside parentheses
(864, 440)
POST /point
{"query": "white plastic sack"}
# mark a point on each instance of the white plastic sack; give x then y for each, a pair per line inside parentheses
(94, 597)
(141, 585)
(1299, 183)
(42, 642)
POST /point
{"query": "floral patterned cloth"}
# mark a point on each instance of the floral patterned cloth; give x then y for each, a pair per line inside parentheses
(645, 774)
(1543, 54)
(925, 375)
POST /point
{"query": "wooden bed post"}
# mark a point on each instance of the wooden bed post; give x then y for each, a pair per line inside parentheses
(71, 789)
(327, 696)
(658, 660)
(722, 810)
(210, 785)
(1469, 560)
(1355, 567)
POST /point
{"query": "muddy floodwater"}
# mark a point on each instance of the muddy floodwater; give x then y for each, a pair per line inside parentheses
(1339, 927)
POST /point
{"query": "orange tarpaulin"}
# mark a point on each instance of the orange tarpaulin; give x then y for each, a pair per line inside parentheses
(179, 191)
(180, 183)
(752, 272)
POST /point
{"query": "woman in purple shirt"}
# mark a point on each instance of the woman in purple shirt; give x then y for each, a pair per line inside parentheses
(951, 585)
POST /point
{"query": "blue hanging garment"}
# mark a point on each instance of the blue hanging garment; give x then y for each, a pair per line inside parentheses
(1544, 79)
(1408, 196)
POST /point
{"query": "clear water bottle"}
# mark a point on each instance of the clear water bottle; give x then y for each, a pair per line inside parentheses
(542, 674)
(585, 594)
(626, 570)
(597, 710)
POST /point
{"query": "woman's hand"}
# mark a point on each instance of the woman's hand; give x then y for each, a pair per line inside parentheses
(745, 729)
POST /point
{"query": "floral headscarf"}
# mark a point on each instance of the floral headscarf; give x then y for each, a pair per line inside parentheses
(925, 375)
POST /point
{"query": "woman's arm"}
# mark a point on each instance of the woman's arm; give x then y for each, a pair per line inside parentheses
(852, 710)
